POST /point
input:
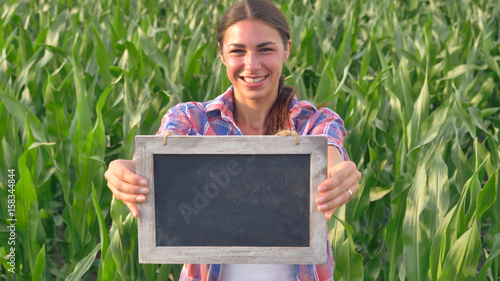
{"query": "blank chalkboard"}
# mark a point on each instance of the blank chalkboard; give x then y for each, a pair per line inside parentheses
(267, 207)
(239, 199)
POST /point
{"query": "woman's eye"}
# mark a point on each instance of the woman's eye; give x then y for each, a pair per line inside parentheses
(237, 51)
(266, 50)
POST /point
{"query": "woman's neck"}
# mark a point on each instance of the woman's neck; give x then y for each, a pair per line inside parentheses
(251, 118)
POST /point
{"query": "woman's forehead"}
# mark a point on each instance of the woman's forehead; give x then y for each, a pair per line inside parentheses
(251, 33)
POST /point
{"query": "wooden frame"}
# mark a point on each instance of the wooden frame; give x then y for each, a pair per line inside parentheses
(313, 253)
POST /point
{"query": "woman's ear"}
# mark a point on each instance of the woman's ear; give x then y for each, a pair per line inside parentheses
(287, 51)
(221, 56)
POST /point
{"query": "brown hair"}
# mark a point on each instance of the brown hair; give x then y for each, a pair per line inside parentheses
(263, 10)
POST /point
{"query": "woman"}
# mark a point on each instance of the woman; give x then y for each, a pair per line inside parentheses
(254, 42)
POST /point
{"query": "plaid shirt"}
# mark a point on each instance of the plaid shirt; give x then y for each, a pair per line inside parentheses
(216, 118)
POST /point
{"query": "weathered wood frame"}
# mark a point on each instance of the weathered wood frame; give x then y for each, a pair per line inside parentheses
(149, 252)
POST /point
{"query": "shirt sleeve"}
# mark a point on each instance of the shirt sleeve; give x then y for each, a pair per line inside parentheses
(328, 123)
(176, 120)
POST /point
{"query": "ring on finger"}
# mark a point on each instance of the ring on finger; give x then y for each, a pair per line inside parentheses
(350, 194)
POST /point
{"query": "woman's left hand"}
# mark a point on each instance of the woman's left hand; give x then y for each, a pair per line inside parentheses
(340, 186)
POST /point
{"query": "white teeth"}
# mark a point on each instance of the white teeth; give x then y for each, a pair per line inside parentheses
(253, 80)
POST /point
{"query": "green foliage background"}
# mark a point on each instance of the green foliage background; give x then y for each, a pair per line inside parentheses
(416, 82)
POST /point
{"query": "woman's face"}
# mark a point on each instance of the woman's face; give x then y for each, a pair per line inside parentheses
(253, 54)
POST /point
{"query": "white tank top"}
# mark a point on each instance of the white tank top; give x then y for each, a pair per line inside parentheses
(261, 272)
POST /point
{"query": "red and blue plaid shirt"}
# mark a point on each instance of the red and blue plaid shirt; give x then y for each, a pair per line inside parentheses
(216, 118)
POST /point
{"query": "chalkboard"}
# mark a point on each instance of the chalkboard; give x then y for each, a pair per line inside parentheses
(198, 191)
(231, 199)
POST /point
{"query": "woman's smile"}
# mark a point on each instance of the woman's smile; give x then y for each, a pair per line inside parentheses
(253, 81)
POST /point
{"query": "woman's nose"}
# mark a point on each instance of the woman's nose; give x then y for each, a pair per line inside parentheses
(252, 61)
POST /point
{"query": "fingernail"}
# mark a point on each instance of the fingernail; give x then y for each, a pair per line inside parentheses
(329, 214)
(140, 199)
(322, 188)
(323, 208)
(134, 213)
(320, 200)
(143, 182)
(143, 191)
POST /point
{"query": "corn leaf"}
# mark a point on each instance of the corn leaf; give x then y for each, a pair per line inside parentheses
(461, 261)
(39, 265)
(83, 265)
(493, 255)
(416, 242)
(487, 195)
(104, 238)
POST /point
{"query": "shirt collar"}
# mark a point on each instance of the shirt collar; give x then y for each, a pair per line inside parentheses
(223, 104)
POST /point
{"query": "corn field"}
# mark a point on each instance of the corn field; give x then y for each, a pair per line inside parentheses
(417, 83)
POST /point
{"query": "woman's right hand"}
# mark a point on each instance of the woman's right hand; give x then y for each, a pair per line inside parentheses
(125, 184)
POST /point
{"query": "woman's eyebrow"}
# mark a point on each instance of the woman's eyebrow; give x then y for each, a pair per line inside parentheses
(260, 45)
(265, 44)
(236, 45)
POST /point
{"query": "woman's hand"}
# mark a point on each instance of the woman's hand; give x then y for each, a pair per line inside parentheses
(125, 184)
(340, 186)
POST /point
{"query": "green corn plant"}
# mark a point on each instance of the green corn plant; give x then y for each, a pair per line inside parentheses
(416, 84)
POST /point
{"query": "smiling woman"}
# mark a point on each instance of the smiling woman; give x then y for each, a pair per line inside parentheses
(254, 57)
(254, 42)
(264, 20)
